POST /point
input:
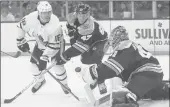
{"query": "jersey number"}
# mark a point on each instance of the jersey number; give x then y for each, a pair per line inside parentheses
(58, 38)
(23, 22)
(85, 38)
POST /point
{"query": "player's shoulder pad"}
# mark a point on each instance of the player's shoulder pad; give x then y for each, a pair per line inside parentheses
(28, 19)
(125, 44)
(56, 29)
(32, 16)
(71, 17)
(53, 25)
(54, 18)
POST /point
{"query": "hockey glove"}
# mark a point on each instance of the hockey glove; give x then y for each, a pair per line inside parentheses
(71, 30)
(62, 59)
(23, 45)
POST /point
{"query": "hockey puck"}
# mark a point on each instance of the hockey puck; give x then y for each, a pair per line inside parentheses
(77, 69)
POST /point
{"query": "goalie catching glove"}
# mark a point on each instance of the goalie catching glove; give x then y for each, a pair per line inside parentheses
(23, 45)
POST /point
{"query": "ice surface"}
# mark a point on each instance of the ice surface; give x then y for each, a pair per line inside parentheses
(15, 75)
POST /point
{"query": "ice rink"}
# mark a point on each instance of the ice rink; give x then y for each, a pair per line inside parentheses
(15, 75)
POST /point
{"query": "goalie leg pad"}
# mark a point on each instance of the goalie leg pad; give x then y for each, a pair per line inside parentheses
(89, 75)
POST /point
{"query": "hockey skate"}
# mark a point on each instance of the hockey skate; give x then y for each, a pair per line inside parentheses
(65, 90)
(38, 85)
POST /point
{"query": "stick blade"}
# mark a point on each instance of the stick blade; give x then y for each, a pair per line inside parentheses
(17, 54)
(6, 101)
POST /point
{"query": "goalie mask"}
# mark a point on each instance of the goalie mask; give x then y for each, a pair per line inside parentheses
(44, 11)
(83, 12)
(117, 35)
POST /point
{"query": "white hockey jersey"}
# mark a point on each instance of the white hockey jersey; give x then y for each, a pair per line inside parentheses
(47, 36)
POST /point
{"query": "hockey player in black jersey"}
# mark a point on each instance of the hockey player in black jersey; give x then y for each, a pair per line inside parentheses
(85, 34)
(133, 64)
(87, 37)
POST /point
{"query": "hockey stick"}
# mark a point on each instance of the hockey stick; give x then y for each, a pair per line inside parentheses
(63, 85)
(16, 55)
(12, 99)
(55, 77)
(33, 81)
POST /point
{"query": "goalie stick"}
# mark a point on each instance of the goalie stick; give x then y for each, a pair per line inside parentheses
(16, 55)
(32, 82)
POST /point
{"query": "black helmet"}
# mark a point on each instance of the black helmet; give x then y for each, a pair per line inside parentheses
(82, 8)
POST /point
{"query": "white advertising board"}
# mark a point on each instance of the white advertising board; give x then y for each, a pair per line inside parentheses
(151, 34)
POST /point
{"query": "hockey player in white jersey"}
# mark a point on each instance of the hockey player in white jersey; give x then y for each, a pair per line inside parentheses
(45, 27)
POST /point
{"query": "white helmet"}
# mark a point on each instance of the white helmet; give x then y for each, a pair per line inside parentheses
(44, 6)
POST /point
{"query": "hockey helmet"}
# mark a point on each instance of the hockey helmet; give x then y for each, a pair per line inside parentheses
(44, 6)
(82, 8)
(117, 35)
(83, 13)
(45, 10)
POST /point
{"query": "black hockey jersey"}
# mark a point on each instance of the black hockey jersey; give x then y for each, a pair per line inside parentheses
(84, 42)
(85, 37)
(130, 58)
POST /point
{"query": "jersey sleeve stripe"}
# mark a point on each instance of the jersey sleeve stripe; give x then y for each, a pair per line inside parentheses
(149, 67)
(78, 48)
(146, 68)
(113, 67)
(81, 47)
(117, 64)
(84, 45)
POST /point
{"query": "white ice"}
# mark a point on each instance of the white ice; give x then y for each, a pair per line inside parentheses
(15, 75)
